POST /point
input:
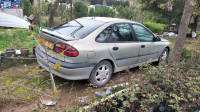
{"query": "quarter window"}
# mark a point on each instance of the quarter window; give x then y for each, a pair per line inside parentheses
(104, 35)
(122, 32)
(142, 33)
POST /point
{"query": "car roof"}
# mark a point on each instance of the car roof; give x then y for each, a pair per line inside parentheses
(109, 19)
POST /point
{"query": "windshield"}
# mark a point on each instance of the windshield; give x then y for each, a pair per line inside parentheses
(78, 28)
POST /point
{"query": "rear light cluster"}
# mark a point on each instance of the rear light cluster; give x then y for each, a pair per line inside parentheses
(66, 50)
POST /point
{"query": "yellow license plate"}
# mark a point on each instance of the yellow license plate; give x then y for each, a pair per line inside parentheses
(48, 44)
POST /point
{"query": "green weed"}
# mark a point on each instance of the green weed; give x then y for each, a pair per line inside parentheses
(16, 38)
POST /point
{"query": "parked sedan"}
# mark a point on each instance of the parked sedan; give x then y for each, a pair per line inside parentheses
(93, 48)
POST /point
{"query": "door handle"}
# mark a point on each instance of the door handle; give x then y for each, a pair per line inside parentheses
(142, 46)
(115, 48)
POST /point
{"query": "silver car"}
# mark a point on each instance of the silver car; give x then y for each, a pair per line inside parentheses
(93, 48)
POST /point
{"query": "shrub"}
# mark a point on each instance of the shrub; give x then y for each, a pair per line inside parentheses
(155, 27)
(164, 88)
(80, 9)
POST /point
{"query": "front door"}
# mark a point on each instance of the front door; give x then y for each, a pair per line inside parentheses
(122, 46)
(149, 49)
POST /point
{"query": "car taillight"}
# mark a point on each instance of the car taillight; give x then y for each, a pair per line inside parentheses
(66, 50)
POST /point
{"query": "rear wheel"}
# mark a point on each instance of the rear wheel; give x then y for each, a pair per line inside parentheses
(101, 74)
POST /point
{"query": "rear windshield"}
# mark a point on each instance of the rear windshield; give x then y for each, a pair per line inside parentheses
(78, 28)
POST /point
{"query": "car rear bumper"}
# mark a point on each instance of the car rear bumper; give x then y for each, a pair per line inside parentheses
(71, 71)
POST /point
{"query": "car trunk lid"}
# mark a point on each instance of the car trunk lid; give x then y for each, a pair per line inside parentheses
(54, 36)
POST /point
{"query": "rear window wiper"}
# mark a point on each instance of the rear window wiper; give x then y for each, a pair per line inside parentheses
(66, 26)
(79, 23)
(59, 25)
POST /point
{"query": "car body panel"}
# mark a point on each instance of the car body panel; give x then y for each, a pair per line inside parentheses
(150, 51)
(71, 71)
(124, 56)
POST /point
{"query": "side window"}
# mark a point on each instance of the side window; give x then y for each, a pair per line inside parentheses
(122, 32)
(104, 35)
(142, 33)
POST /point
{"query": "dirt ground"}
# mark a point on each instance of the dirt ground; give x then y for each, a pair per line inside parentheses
(69, 91)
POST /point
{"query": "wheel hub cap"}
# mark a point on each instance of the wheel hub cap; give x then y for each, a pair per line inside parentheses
(102, 74)
(164, 56)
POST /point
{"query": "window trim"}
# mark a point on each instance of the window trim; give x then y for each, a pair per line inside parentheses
(144, 28)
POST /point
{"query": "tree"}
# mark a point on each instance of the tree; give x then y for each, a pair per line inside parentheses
(91, 12)
(52, 12)
(187, 13)
(93, 2)
(117, 3)
(27, 8)
(105, 12)
(172, 12)
(80, 10)
(130, 13)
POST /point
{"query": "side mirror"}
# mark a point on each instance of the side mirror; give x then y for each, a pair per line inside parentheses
(157, 39)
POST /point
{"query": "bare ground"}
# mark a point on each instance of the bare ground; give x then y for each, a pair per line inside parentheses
(69, 91)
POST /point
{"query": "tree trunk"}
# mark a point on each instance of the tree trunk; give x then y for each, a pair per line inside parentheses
(52, 12)
(71, 8)
(188, 10)
(195, 24)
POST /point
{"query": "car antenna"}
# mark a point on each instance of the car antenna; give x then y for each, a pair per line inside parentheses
(79, 23)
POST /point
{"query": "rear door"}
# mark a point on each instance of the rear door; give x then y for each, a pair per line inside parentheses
(123, 45)
(149, 49)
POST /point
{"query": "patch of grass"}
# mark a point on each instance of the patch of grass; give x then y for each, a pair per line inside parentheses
(198, 27)
(16, 38)
(188, 42)
(13, 86)
(172, 40)
(198, 34)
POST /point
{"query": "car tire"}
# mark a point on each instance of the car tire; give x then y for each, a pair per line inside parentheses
(101, 74)
(164, 56)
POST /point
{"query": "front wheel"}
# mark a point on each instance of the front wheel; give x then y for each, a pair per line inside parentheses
(163, 57)
(101, 74)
